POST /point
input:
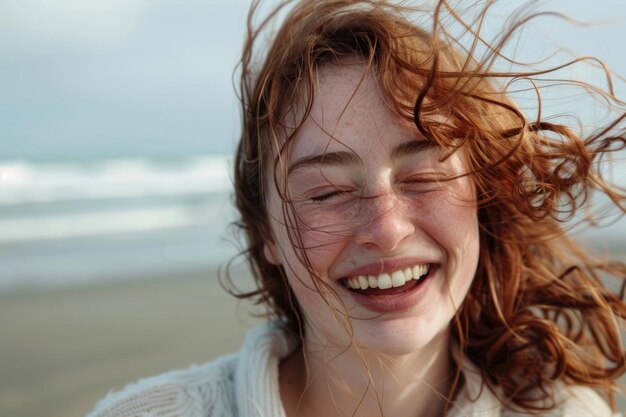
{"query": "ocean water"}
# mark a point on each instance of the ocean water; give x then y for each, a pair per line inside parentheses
(81, 222)
(78, 222)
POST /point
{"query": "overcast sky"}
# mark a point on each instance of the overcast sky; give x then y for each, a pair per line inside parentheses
(115, 78)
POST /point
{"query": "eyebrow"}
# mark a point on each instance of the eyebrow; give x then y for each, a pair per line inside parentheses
(343, 158)
(411, 148)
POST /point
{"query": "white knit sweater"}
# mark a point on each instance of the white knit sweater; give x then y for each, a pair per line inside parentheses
(246, 385)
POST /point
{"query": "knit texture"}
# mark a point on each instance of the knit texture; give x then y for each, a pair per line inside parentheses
(246, 385)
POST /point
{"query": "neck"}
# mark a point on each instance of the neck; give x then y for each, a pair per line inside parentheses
(354, 381)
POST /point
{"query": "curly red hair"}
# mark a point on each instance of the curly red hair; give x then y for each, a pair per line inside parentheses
(538, 310)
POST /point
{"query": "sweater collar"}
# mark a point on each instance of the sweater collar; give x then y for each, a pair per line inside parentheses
(256, 377)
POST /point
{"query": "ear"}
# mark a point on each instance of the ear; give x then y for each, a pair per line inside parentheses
(271, 255)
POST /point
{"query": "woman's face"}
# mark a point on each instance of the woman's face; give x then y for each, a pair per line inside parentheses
(364, 217)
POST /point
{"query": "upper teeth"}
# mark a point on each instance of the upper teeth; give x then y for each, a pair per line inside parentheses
(383, 281)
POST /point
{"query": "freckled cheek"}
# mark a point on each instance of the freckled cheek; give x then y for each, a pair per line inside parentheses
(463, 222)
(322, 246)
(323, 238)
(457, 232)
(321, 229)
(456, 209)
(450, 219)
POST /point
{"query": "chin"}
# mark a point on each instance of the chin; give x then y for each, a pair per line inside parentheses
(401, 337)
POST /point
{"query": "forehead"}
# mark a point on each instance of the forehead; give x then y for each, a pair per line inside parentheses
(348, 111)
(344, 91)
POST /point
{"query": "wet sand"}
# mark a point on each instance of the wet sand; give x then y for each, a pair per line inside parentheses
(62, 350)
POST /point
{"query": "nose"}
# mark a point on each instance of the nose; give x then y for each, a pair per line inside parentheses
(386, 223)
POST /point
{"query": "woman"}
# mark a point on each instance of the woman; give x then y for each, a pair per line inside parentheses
(404, 221)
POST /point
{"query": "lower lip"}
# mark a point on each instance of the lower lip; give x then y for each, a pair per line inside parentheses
(395, 302)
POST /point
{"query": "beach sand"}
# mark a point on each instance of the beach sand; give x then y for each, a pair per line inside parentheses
(62, 350)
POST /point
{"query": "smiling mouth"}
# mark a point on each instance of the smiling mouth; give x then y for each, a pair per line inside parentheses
(386, 282)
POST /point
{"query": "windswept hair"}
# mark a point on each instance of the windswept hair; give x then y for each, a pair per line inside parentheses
(539, 309)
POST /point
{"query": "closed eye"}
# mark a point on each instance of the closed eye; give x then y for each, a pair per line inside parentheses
(420, 179)
(329, 195)
(421, 183)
